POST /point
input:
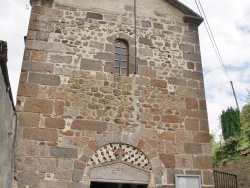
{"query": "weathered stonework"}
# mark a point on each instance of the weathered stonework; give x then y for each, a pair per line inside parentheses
(73, 111)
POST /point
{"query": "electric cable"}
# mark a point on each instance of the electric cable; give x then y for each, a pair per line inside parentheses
(215, 46)
(211, 37)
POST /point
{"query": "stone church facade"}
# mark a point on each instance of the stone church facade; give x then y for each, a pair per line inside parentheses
(111, 94)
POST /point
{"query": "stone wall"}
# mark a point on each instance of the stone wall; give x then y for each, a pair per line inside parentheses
(8, 123)
(240, 167)
(72, 109)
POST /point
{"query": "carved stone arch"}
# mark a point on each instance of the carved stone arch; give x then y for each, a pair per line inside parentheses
(120, 163)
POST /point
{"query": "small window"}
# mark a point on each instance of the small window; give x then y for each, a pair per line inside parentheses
(121, 57)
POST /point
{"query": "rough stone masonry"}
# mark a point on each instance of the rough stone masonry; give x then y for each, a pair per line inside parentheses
(78, 122)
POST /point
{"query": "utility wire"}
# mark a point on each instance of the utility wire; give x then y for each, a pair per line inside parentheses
(216, 49)
(211, 37)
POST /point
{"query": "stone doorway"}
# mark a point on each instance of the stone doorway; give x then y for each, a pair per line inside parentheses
(119, 166)
(115, 185)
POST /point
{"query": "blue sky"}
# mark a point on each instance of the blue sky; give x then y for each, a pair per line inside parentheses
(229, 21)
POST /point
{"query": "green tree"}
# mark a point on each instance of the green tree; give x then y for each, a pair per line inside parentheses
(214, 149)
(230, 123)
(245, 123)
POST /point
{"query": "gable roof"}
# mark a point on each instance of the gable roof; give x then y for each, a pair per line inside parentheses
(190, 15)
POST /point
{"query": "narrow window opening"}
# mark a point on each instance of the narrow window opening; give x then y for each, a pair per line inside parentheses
(121, 57)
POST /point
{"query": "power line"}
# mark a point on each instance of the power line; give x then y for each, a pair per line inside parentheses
(216, 49)
(211, 37)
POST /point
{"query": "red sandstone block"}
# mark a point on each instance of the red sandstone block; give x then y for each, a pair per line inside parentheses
(28, 90)
(92, 145)
(157, 145)
(158, 83)
(202, 162)
(59, 107)
(202, 105)
(31, 35)
(78, 142)
(38, 56)
(57, 123)
(27, 55)
(33, 17)
(191, 148)
(79, 165)
(167, 136)
(140, 144)
(84, 158)
(175, 81)
(202, 137)
(149, 133)
(156, 111)
(38, 9)
(37, 67)
(156, 118)
(38, 106)
(184, 136)
(208, 177)
(89, 125)
(204, 125)
(40, 134)
(23, 77)
(146, 71)
(193, 113)
(193, 172)
(193, 84)
(40, 26)
(184, 161)
(152, 154)
(168, 160)
(171, 118)
(193, 75)
(192, 124)
(191, 103)
(26, 119)
(67, 133)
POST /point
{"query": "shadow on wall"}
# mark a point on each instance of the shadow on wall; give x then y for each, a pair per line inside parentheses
(8, 123)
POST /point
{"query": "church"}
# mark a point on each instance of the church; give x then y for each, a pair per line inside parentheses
(111, 94)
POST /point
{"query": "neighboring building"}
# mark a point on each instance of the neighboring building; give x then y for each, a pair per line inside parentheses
(100, 105)
(7, 123)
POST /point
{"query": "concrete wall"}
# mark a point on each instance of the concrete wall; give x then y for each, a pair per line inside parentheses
(7, 124)
(75, 115)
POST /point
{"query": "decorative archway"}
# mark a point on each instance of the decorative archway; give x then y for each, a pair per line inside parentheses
(120, 163)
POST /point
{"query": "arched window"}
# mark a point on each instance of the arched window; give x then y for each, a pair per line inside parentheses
(121, 57)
